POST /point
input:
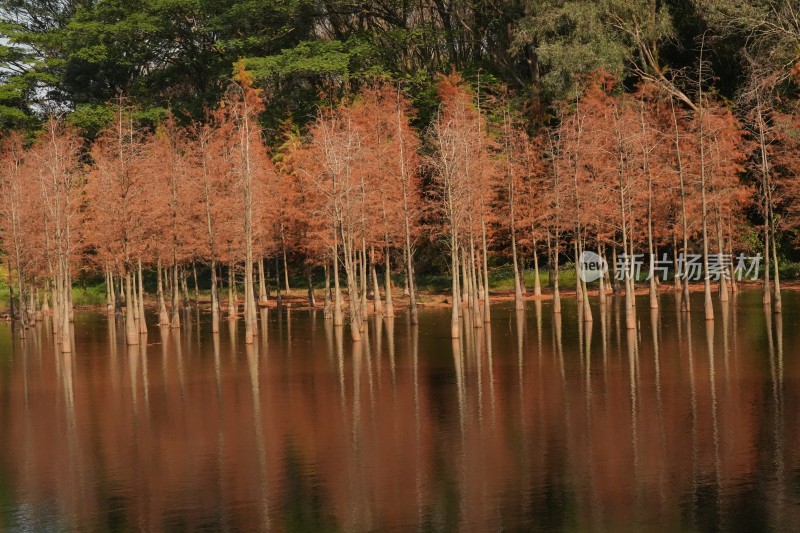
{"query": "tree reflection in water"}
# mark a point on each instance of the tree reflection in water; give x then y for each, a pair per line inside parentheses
(537, 420)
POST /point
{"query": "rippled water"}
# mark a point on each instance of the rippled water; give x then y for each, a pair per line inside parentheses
(538, 422)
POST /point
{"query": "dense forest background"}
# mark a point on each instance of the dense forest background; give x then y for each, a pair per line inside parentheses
(78, 55)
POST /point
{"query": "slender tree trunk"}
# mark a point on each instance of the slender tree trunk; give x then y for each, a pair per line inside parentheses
(556, 292)
(387, 279)
(22, 312)
(66, 314)
(734, 284)
(630, 318)
(723, 278)
(766, 295)
(112, 294)
(131, 332)
(685, 302)
(312, 303)
(549, 261)
(675, 264)
(250, 301)
(707, 305)
(109, 292)
(473, 279)
(454, 274)
(262, 283)
(214, 298)
(163, 316)
(487, 315)
(233, 304)
(412, 297)
(587, 310)
(653, 288)
(601, 293)
(338, 319)
(376, 293)
(33, 313)
(777, 307)
(285, 265)
(578, 289)
(769, 221)
(176, 315)
(537, 284)
(196, 285)
(55, 284)
(519, 302)
(615, 287)
(363, 283)
(142, 324)
(134, 292)
(464, 277)
(327, 308)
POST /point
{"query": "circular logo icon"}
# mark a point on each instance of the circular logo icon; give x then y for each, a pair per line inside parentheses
(591, 266)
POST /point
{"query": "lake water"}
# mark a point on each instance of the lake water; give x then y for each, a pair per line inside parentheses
(537, 423)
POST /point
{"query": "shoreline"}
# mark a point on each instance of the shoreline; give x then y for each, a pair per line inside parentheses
(442, 300)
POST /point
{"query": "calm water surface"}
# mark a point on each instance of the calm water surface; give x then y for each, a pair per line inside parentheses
(537, 423)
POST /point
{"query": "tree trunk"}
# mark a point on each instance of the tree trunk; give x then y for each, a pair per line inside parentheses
(578, 288)
(214, 298)
(285, 269)
(363, 284)
(587, 310)
(410, 286)
(549, 262)
(109, 292)
(473, 281)
(601, 292)
(456, 296)
(707, 304)
(777, 307)
(376, 293)
(131, 332)
(22, 311)
(66, 313)
(723, 278)
(134, 292)
(142, 324)
(163, 316)
(685, 302)
(250, 301)
(262, 283)
(196, 285)
(312, 303)
(387, 279)
(487, 313)
(554, 269)
(233, 304)
(338, 319)
(327, 310)
(464, 277)
(176, 316)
